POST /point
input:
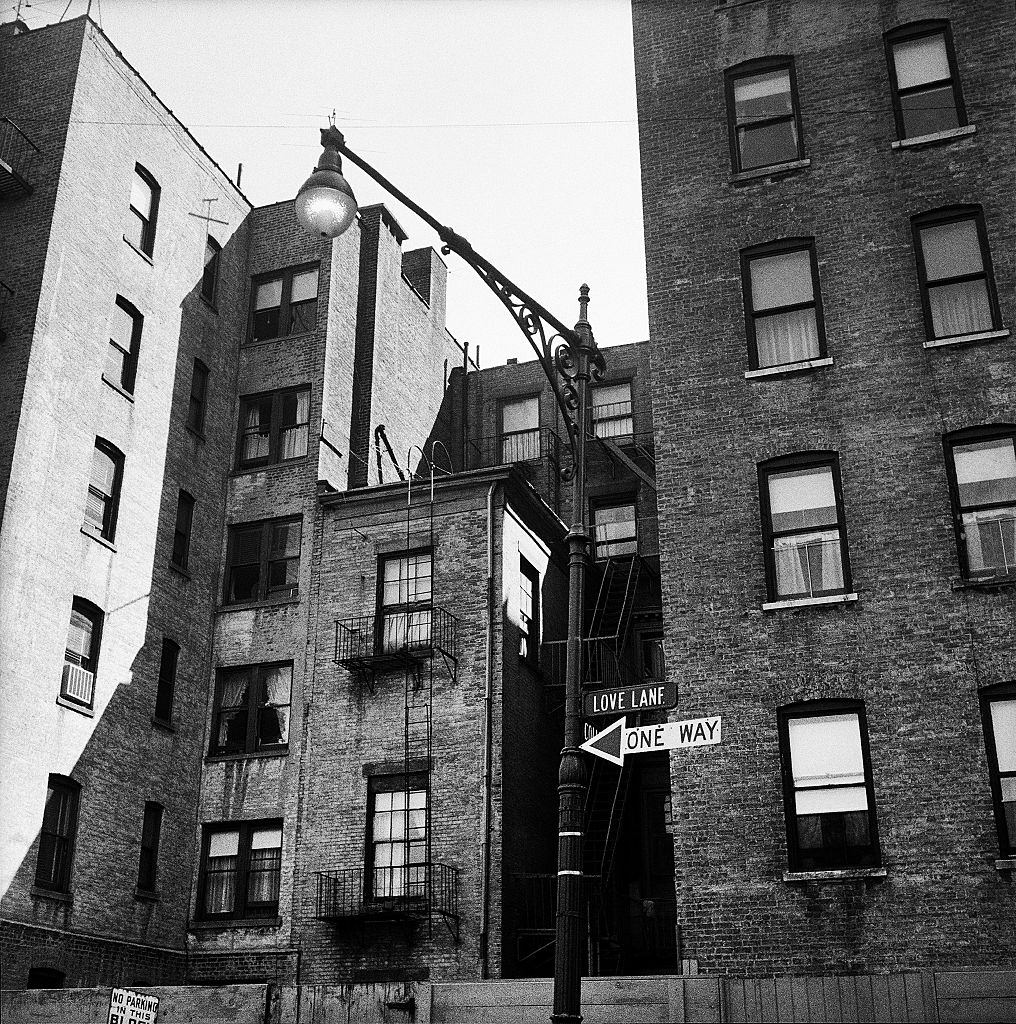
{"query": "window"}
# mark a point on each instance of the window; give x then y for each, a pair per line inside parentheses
(124, 342)
(397, 844)
(925, 83)
(210, 275)
(144, 208)
(765, 124)
(520, 429)
(529, 612)
(45, 977)
(652, 657)
(81, 657)
(198, 396)
(803, 526)
(274, 427)
(285, 303)
(167, 680)
(782, 304)
(252, 709)
(148, 863)
(982, 471)
(240, 870)
(612, 410)
(103, 497)
(182, 530)
(264, 560)
(56, 837)
(954, 272)
(405, 617)
(829, 798)
(614, 530)
(998, 708)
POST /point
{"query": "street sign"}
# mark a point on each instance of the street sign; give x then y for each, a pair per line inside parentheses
(617, 740)
(645, 697)
(129, 1007)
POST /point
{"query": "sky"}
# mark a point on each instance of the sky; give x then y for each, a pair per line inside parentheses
(512, 121)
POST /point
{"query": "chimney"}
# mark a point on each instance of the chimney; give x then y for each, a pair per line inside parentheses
(14, 28)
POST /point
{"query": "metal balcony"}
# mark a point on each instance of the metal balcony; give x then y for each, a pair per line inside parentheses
(537, 453)
(17, 160)
(369, 644)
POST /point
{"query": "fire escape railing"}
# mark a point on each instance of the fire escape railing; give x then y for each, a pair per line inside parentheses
(18, 155)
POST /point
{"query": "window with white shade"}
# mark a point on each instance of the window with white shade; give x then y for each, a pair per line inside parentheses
(121, 365)
(954, 272)
(241, 870)
(284, 303)
(404, 621)
(982, 469)
(828, 792)
(615, 531)
(144, 206)
(763, 114)
(998, 707)
(782, 305)
(612, 410)
(925, 83)
(520, 429)
(397, 841)
(103, 498)
(802, 520)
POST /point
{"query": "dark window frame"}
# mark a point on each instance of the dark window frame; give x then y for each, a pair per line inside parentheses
(790, 463)
(988, 696)
(59, 879)
(96, 616)
(614, 501)
(210, 272)
(252, 707)
(273, 458)
(111, 501)
(169, 666)
(972, 435)
(285, 302)
(406, 608)
(393, 783)
(183, 530)
(908, 33)
(243, 908)
(780, 247)
(529, 624)
(629, 415)
(150, 222)
(148, 854)
(953, 215)
(129, 363)
(747, 69)
(264, 592)
(198, 398)
(822, 709)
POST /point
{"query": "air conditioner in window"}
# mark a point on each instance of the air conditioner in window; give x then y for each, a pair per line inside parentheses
(77, 684)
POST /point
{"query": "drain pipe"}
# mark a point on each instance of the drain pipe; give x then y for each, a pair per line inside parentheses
(488, 715)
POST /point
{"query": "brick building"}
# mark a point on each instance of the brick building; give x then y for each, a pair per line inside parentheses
(830, 249)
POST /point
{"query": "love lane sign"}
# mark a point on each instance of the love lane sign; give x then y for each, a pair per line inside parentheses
(617, 740)
(644, 697)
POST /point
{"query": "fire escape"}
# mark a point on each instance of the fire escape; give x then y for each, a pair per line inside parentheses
(17, 160)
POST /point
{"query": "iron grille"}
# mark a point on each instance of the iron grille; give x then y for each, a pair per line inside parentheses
(370, 640)
(431, 888)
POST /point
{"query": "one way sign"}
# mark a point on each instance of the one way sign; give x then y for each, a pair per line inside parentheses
(616, 740)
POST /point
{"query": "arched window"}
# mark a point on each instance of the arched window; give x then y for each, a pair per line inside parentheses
(103, 498)
(125, 327)
(763, 113)
(998, 708)
(144, 208)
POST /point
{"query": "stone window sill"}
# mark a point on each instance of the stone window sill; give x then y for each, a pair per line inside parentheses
(839, 875)
(994, 583)
(50, 894)
(789, 166)
(250, 343)
(733, 3)
(227, 925)
(808, 602)
(276, 752)
(209, 305)
(1005, 864)
(73, 706)
(966, 339)
(784, 368)
(98, 538)
(119, 390)
(935, 137)
(266, 602)
(144, 255)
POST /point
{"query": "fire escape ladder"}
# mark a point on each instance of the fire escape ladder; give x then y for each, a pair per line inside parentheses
(628, 603)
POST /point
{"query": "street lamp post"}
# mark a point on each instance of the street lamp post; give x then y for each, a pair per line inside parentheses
(326, 207)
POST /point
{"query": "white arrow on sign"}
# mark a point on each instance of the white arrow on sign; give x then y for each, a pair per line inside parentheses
(617, 740)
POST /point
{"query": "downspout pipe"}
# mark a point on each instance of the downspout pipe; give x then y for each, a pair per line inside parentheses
(487, 745)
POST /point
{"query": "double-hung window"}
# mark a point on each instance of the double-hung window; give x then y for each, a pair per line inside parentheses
(168, 663)
(81, 655)
(615, 530)
(198, 397)
(782, 303)
(612, 410)
(397, 843)
(520, 429)
(982, 471)
(284, 303)
(103, 497)
(762, 109)
(148, 859)
(252, 709)
(954, 272)
(144, 207)
(803, 527)
(406, 608)
(210, 274)
(57, 835)
(182, 530)
(241, 868)
(274, 427)
(529, 612)
(263, 560)
(124, 343)
(998, 708)
(829, 798)
(925, 83)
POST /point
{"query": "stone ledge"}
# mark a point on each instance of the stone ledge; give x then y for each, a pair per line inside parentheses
(933, 137)
(808, 602)
(838, 875)
(788, 166)
(783, 368)
(966, 339)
